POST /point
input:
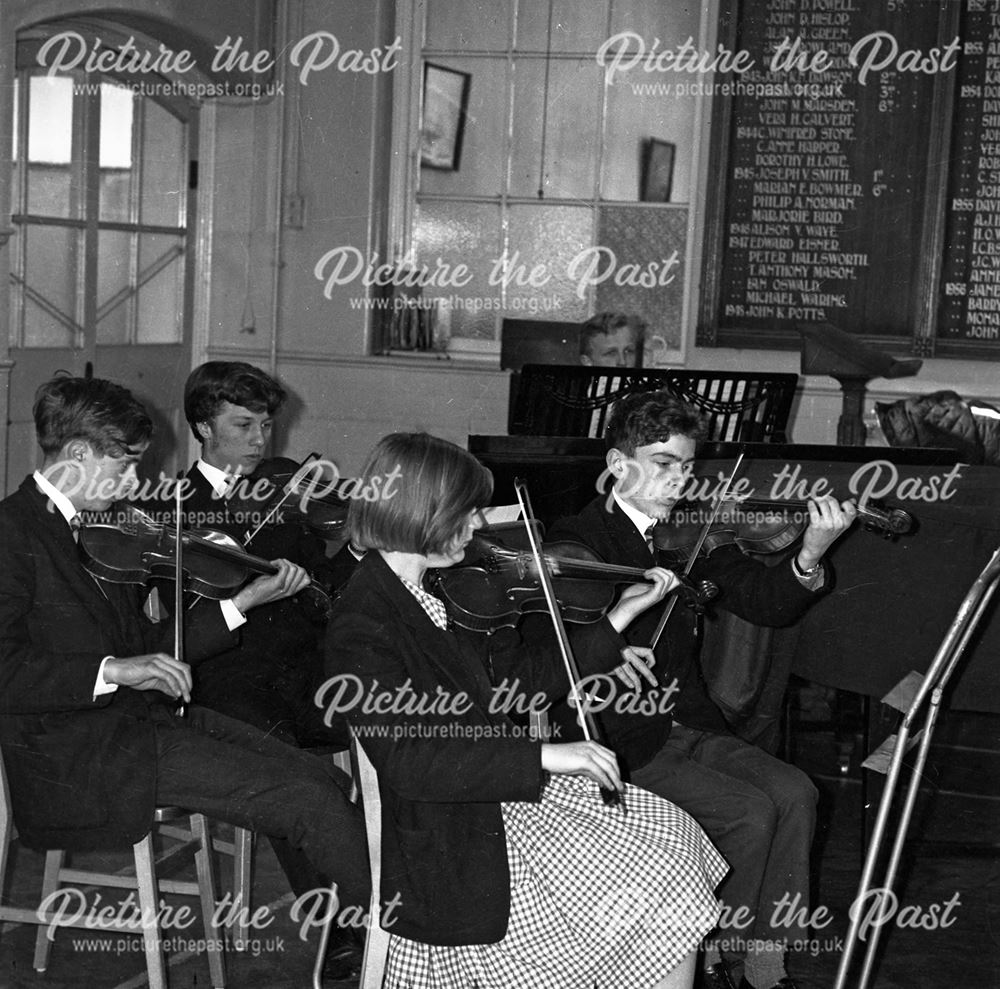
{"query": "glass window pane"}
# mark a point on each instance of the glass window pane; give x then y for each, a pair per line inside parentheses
(50, 120)
(114, 301)
(51, 256)
(17, 119)
(480, 159)
(633, 117)
(116, 126)
(15, 176)
(649, 239)
(576, 27)
(525, 150)
(571, 128)
(477, 25)
(554, 237)
(116, 188)
(164, 168)
(51, 190)
(469, 234)
(160, 317)
(672, 23)
(116, 175)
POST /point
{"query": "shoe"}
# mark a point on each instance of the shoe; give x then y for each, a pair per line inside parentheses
(344, 956)
(715, 977)
(786, 983)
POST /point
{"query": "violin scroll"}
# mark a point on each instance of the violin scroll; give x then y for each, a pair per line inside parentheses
(888, 523)
(696, 594)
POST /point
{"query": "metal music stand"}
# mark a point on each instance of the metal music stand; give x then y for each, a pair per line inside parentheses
(965, 623)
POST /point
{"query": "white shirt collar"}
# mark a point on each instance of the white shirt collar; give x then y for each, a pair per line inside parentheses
(216, 477)
(63, 505)
(640, 520)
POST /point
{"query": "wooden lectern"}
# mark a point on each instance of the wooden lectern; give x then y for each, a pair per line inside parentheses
(828, 350)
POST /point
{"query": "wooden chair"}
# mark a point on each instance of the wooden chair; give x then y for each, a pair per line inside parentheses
(377, 939)
(57, 873)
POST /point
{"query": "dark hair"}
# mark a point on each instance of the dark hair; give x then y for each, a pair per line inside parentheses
(436, 485)
(105, 415)
(215, 382)
(641, 418)
(607, 323)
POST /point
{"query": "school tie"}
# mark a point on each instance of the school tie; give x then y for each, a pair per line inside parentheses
(648, 536)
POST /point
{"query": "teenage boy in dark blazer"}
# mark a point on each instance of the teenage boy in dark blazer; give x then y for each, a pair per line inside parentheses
(269, 679)
(759, 811)
(89, 729)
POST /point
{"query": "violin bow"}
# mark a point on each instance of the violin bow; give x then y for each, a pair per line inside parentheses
(610, 797)
(179, 589)
(301, 472)
(693, 555)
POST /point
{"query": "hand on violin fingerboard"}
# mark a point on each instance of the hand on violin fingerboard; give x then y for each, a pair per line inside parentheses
(287, 582)
(828, 520)
(636, 598)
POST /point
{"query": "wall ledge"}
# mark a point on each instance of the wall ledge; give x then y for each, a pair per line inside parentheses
(418, 362)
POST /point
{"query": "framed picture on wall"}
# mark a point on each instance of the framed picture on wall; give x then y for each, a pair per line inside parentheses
(442, 116)
(657, 173)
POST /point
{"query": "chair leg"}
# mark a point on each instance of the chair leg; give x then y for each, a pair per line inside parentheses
(149, 907)
(54, 861)
(376, 952)
(7, 834)
(324, 943)
(242, 883)
(205, 865)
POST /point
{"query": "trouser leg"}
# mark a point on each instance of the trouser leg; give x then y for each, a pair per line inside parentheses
(233, 772)
(759, 812)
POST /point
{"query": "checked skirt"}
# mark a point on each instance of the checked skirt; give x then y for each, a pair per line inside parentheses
(598, 898)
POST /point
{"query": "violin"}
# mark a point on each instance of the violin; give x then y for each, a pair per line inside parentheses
(281, 490)
(756, 526)
(495, 584)
(214, 565)
(205, 562)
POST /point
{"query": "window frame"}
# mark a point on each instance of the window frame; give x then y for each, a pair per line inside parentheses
(83, 323)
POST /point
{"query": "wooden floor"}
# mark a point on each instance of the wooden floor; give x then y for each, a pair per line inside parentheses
(959, 947)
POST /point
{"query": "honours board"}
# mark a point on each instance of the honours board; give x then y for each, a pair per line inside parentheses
(856, 177)
(970, 298)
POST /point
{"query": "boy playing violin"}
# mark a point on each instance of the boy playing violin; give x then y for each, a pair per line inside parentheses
(88, 685)
(269, 679)
(759, 811)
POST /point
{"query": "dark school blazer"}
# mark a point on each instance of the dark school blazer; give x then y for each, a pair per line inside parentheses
(761, 594)
(443, 774)
(82, 772)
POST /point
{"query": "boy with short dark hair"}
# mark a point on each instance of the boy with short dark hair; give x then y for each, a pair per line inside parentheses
(759, 811)
(91, 738)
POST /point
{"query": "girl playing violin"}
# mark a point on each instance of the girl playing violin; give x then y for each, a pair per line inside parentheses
(508, 868)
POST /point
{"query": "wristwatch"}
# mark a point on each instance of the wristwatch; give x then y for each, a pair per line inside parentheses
(800, 573)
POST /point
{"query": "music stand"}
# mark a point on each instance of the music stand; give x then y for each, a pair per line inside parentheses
(829, 350)
(929, 695)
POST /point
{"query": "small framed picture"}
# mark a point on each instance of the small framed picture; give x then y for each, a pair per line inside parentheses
(442, 116)
(657, 171)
